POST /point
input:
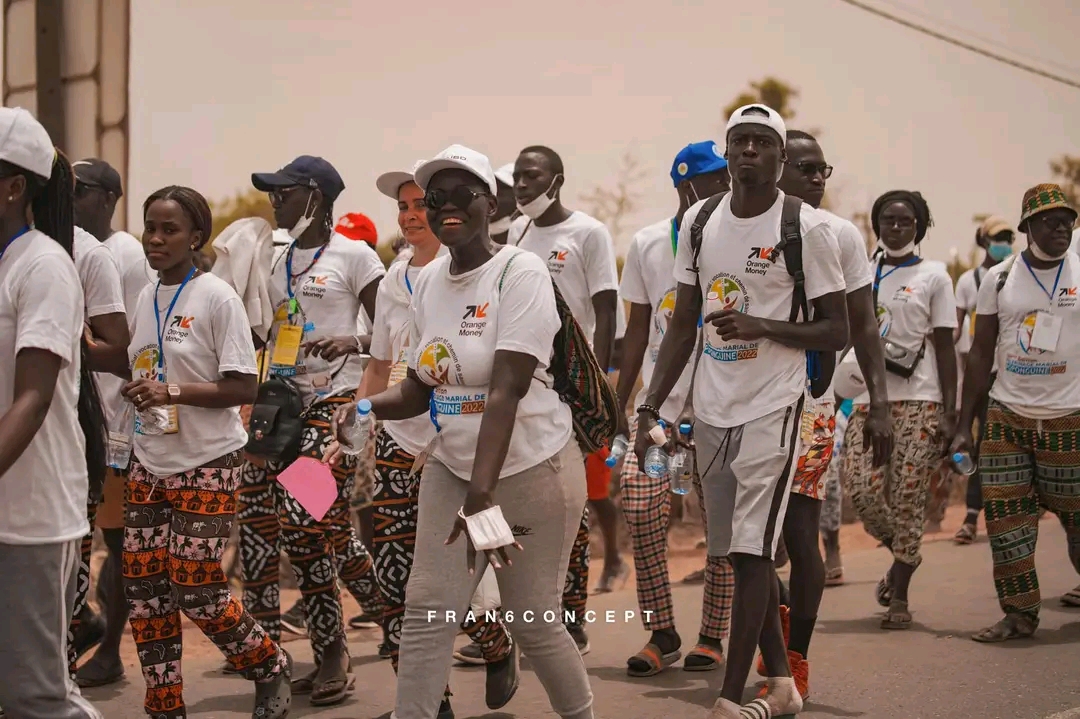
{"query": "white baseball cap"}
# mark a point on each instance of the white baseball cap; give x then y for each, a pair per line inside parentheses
(505, 174)
(460, 157)
(389, 183)
(758, 114)
(25, 143)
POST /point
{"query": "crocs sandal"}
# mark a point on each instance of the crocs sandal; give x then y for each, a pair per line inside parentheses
(703, 658)
(966, 534)
(1071, 598)
(898, 616)
(1012, 626)
(834, 576)
(650, 661)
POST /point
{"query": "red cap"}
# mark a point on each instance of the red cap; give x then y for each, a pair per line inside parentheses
(357, 226)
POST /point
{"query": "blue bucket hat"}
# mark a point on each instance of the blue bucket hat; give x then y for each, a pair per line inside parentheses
(697, 158)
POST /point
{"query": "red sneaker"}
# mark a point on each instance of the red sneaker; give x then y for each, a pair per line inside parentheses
(785, 622)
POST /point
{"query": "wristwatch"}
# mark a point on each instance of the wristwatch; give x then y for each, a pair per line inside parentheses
(174, 393)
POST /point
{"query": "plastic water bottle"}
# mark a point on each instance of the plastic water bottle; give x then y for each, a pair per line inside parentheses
(963, 463)
(118, 449)
(656, 459)
(619, 446)
(359, 431)
(679, 473)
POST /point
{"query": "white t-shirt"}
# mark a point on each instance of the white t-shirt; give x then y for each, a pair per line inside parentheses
(737, 381)
(43, 495)
(912, 302)
(854, 261)
(580, 255)
(458, 324)
(328, 299)
(648, 279)
(99, 274)
(206, 335)
(1033, 382)
(390, 343)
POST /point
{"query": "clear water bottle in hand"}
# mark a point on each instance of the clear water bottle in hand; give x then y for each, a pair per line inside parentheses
(963, 463)
(118, 449)
(656, 459)
(679, 469)
(357, 433)
(619, 446)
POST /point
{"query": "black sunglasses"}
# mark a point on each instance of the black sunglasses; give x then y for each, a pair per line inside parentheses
(1053, 221)
(812, 168)
(460, 197)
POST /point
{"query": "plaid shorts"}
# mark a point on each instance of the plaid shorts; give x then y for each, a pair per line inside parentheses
(816, 435)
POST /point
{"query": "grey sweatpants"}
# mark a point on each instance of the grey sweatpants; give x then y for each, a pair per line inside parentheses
(543, 505)
(36, 598)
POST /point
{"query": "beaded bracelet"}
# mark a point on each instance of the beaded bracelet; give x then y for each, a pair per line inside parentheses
(649, 409)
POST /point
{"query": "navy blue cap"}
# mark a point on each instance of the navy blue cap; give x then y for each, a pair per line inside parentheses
(305, 171)
(697, 158)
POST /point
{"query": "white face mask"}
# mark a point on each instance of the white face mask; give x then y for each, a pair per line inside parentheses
(1040, 255)
(499, 227)
(304, 222)
(901, 252)
(540, 205)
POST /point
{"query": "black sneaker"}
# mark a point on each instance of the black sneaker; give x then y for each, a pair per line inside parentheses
(294, 620)
(470, 654)
(580, 638)
(502, 679)
(384, 651)
(90, 633)
(273, 698)
(363, 621)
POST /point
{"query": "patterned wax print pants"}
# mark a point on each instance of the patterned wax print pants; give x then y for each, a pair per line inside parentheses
(646, 504)
(82, 589)
(175, 533)
(321, 552)
(891, 500)
(1025, 464)
(395, 508)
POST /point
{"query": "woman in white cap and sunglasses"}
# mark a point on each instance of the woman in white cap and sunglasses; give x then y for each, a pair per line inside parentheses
(51, 424)
(483, 322)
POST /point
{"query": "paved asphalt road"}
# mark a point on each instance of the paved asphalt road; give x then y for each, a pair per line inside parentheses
(858, 670)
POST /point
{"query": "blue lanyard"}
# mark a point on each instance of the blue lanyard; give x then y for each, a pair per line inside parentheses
(1049, 295)
(291, 276)
(161, 329)
(878, 277)
(408, 285)
(17, 235)
(434, 413)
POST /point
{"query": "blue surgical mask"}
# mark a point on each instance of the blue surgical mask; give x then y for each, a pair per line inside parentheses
(999, 250)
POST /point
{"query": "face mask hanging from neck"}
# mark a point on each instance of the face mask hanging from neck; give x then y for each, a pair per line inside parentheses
(304, 222)
(999, 250)
(901, 252)
(499, 227)
(1040, 255)
(541, 204)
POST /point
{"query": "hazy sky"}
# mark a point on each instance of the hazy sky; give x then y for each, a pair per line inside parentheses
(223, 88)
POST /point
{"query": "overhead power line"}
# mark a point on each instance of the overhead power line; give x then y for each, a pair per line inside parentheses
(964, 44)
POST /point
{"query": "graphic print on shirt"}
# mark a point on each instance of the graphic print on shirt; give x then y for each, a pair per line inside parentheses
(556, 260)
(760, 260)
(1066, 299)
(661, 319)
(884, 320)
(727, 292)
(438, 365)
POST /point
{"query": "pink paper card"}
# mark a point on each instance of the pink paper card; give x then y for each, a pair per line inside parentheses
(312, 484)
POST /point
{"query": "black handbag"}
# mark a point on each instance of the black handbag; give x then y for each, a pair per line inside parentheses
(277, 421)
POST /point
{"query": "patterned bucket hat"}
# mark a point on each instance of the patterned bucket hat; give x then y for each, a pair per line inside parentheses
(1042, 198)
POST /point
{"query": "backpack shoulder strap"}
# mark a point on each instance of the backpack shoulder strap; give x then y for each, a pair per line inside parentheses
(697, 229)
(978, 278)
(1004, 276)
(791, 246)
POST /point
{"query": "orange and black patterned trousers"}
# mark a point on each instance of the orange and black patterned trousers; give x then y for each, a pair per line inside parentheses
(175, 532)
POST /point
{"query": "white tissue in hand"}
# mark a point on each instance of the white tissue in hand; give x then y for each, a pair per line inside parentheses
(153, 421)
(488, 529)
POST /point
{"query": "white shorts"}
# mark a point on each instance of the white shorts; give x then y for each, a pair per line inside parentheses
(746, 475)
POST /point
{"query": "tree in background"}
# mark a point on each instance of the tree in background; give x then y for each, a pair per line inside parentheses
(249, 203)
(1066, 171)
(614, 206)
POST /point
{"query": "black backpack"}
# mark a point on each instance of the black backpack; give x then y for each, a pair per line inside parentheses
(277, 421)
(820, 366)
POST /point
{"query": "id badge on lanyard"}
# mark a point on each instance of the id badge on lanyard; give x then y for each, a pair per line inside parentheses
(172, 425)
(1047, 330)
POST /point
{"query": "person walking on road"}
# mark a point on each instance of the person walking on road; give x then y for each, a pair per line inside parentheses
(1028, 323)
